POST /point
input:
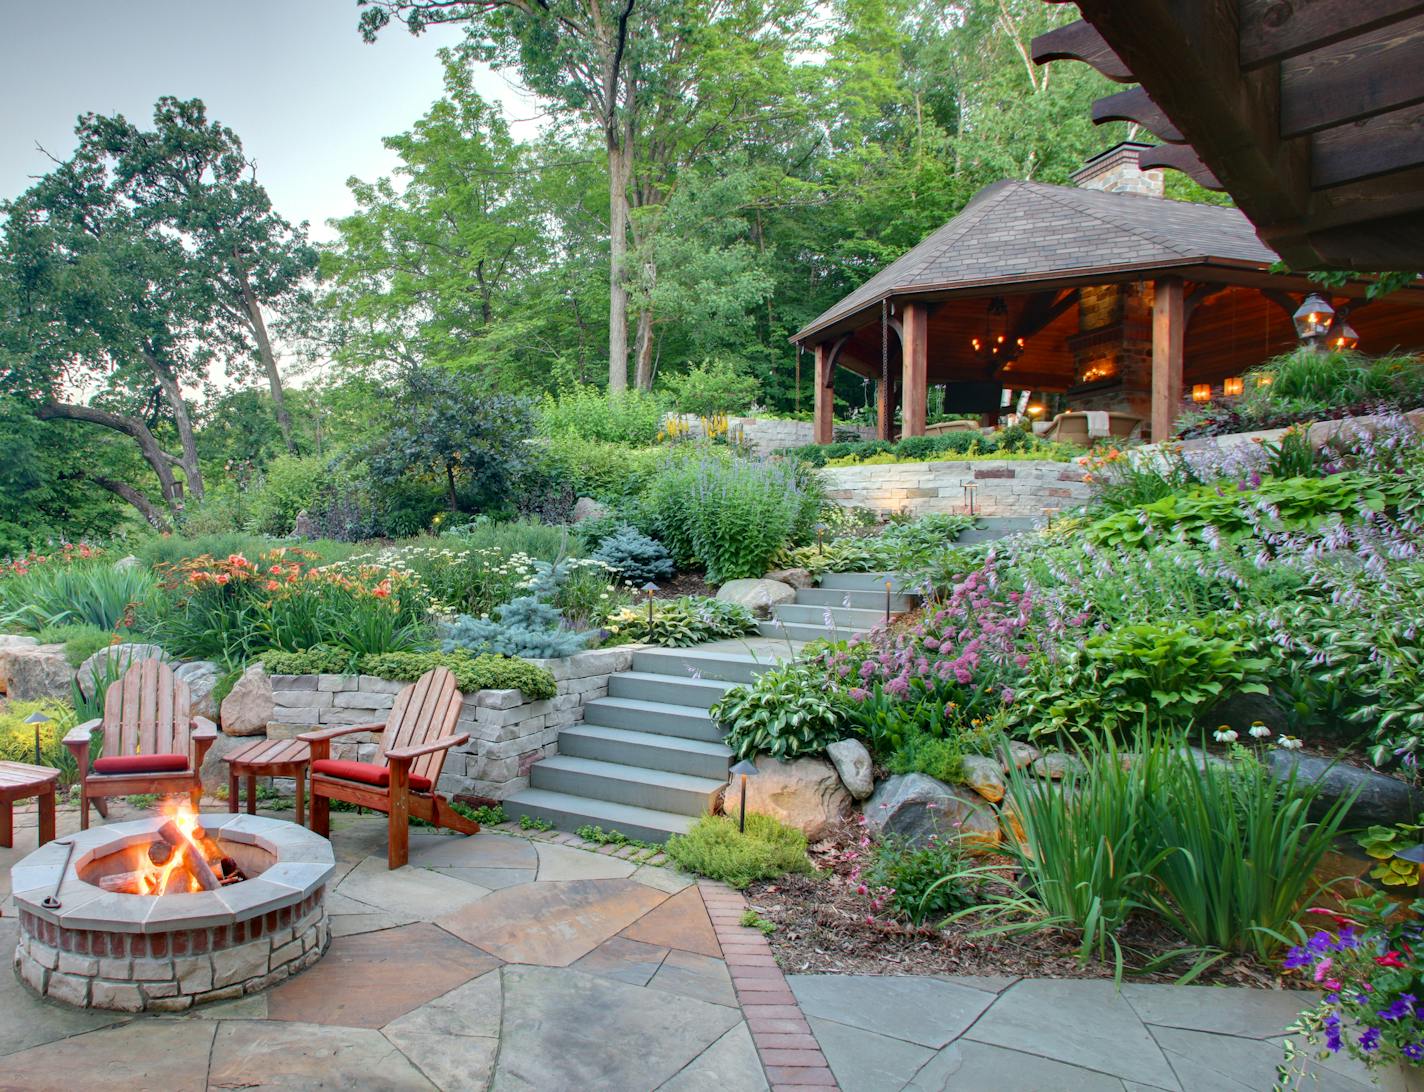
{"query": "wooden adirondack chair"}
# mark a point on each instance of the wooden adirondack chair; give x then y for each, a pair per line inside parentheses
(401, 783)
(152, 741)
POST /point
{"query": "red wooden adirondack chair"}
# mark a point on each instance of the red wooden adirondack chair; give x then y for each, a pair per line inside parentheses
(152, 741)
(401, 783)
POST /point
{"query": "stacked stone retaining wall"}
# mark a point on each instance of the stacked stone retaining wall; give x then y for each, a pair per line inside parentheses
(508, 731)
(1005, 487)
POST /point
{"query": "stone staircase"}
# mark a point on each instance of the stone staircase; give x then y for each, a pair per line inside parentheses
(993, 528)
(647, 760)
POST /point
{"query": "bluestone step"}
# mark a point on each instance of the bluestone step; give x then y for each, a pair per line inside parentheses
(859, 600)
(571, 812)
(657, 718)
(800, 631)
(867, 582)
(690, 663)
(657, 790)
(695, 757)
(843, 618)
(670, 689)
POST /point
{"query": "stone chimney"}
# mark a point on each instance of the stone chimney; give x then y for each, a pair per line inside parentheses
(1116, 171)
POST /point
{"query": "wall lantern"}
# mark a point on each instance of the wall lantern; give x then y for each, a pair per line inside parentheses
(1343, 337)
(743, 770)
(1312, 318)
(1201, 392)
(1233, 386)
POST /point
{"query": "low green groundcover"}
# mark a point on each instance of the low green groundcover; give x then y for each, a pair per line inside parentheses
(471, 673)
(716, 849)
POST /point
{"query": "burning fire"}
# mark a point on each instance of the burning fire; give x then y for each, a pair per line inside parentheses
(182, 859)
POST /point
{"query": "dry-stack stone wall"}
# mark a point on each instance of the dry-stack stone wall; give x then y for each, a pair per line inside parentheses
(1005, 487)
(508, 731)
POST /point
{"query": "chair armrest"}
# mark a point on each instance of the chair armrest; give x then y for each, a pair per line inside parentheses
(405, 754)
(203, 728)
(344, 730)
(80, 735)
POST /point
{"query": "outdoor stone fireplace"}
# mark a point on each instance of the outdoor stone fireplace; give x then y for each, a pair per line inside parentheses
(92, 947)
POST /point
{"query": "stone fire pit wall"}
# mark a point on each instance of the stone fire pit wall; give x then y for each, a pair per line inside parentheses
(508, 732)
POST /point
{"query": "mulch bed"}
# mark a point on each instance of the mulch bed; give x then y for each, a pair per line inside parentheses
(684, 584)
(822, 928)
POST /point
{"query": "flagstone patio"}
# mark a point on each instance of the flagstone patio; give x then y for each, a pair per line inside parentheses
(518, 963)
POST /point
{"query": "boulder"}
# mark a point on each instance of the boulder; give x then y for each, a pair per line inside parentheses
(914, 806)
(202, 677)
(758, 596)
(1240, 711)
(30, 671)
(852, 762)
(797, 578)
(1056, 765)
(1382, 799)
(248, 705)
(984, 777)
(113, 661)
(1018, 755)
(129, 562)
(588, 508)
(214, 769)
(805, 793)
(304, 527)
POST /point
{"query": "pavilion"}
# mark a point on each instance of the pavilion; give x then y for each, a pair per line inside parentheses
(1103, 292)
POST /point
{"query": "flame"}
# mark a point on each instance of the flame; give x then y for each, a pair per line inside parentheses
(169, 878)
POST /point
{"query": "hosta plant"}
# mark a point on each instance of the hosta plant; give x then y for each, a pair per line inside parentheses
(680, 623)
(786, 713)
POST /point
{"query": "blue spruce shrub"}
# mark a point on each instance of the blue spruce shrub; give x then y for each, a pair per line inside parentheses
(529, 626)
(635, 557)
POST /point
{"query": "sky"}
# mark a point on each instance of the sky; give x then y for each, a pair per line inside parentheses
(309, 99)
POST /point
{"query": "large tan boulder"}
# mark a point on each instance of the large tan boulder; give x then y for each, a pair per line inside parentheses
(984, 777)
(30, 671)
(249, 704)
(202, 677)
(758, 596)
(805, 793)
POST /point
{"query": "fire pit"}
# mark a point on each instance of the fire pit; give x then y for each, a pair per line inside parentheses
(161, 914)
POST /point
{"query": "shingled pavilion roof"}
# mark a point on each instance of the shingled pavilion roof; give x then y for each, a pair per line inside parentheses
(1012, 232)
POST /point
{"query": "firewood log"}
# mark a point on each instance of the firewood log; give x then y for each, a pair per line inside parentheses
(126, 883)
(193, 860)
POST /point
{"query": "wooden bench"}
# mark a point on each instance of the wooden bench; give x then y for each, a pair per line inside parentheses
(20, 781)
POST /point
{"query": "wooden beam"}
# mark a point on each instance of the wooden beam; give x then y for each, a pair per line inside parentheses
(1080, 41)
(1198, 296)
(1137, 108)
(884, 420)
(914, 390)
(1168, 337)
(1272, 30)
(1363, 149)
(1180, 157)
(824, 429)
(1357, 78)
(1185, 54)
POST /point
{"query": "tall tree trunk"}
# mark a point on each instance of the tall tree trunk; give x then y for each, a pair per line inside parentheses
(619, 164)
(268, 358)
(173, 394)
(645, 349)
(159, 460)
(134, 497)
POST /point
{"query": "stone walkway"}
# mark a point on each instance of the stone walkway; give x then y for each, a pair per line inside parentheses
(523, 965)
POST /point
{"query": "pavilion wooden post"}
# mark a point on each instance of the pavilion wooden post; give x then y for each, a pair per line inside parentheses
(884, 417)
(914, 388)
(1168, 334)
(825, 398)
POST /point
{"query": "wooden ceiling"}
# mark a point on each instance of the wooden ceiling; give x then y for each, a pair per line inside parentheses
(1310, 113)
(1233, 329)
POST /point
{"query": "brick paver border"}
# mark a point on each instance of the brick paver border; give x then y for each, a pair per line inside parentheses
(784, 1040)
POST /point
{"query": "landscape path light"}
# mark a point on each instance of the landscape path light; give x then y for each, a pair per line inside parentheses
(37, 719)
(743, 770)
(650, 587)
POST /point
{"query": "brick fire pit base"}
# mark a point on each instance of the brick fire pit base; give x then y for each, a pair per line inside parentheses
(135, 953)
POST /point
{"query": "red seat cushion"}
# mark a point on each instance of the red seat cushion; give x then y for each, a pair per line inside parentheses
(368, 773)
(141, 764)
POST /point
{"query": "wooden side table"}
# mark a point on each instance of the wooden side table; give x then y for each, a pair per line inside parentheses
(267, 758)
(20, 781)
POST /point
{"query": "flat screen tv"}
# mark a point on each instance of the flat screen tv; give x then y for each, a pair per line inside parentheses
(979, 397)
